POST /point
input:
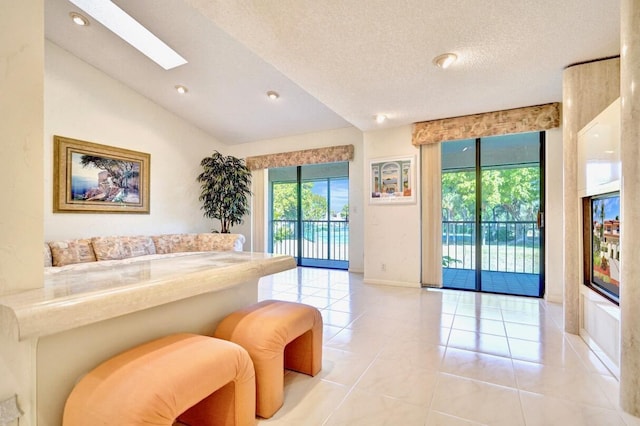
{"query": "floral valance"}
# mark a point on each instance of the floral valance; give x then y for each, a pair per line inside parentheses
(330, 154)
(519, 120)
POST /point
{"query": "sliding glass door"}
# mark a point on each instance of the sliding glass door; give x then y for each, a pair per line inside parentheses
(492, 200)
(309, 214)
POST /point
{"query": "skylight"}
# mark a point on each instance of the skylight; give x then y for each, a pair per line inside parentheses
(131, 31)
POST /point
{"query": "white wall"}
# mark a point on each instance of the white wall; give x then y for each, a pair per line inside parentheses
(83, 103)
(392, 236)
(554, 281)
(346, 136)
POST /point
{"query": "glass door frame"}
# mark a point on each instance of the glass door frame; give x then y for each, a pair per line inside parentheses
(314, 227)
(479, 220)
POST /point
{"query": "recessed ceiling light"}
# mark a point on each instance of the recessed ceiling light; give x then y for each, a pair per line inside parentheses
(131, 31)
(273, 95)
(181, 89)
(380, 118)
(79, 19)
(445, 60)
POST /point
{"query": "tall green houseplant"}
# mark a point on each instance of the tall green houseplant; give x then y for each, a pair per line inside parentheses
(225, 189)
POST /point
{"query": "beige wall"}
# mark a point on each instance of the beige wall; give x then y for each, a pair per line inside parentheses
(553, 217)
(83, 103)
(392, 237)
(21, 117)
(21, 112)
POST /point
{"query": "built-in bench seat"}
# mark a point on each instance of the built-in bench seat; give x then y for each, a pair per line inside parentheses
(69, 254)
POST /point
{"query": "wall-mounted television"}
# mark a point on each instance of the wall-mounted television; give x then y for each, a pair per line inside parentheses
(604, 248)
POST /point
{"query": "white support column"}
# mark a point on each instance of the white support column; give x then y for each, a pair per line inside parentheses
(630, 206)
(21, 174)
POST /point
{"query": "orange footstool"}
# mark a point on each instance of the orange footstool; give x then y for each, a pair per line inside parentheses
(197, 379)
(276, 334)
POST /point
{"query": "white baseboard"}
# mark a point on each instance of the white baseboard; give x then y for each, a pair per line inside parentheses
(392, 283)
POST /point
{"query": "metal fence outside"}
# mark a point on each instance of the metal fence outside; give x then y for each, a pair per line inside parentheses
(507, 246)
(321, 239)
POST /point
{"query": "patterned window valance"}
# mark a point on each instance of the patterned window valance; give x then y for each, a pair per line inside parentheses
(518, 120)
(330, 154)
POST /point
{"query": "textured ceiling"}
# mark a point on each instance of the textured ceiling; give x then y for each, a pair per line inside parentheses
(337, 63)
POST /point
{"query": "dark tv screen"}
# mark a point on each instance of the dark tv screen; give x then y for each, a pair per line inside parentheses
(605, 243)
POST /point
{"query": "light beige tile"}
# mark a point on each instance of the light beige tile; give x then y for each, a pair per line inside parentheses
(377, 323)
(480, 342)
(629, 419)
(417, 356)
(479, 325)
(399, 380)
(311, 403)
(316, 301)
(343, 367)
(557, 354)
(479, 366)
(337, 318)
(437, 418)
(532, 332)
(479, 311)
(359, 342)
(570, 384)
(546, 410)
(328, 331)
(589, 359)
(477, 401)
(415, 352)
(366, 409)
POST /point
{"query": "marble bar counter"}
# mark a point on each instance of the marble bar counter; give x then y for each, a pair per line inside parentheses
(87, 313)
(87, 293)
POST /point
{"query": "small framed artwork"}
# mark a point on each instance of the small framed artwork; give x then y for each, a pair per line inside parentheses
(93, 178)
(393, 180)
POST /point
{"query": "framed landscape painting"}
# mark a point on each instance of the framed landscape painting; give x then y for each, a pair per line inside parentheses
(392, 180)
(93, 178)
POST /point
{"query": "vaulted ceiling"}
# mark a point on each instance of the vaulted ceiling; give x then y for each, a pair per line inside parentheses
(338, 63)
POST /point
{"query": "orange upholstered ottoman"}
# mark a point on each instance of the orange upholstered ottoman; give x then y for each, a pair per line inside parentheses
(200, 380)
(276, 334)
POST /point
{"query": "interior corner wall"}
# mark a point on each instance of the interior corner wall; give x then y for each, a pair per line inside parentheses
(553, 248)
(345, 136)
(392, 239)
(83, 103)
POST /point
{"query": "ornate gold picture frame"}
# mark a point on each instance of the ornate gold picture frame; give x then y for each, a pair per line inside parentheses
(93, 178)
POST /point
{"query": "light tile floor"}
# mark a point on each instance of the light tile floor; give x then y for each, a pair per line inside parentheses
(405, 356)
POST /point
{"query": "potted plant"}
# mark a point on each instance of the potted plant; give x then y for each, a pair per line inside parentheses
(225, 187)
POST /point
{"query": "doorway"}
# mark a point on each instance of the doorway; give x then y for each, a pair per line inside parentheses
(492, 214)
(309, 214)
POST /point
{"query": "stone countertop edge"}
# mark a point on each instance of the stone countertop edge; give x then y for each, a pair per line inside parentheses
(21, 318)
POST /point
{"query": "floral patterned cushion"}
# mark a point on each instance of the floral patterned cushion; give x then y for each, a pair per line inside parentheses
(138, 246)
(71, 251)
(61, 253)
(175, 243)
(113, 248)
(46, 253)
(217, 242)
